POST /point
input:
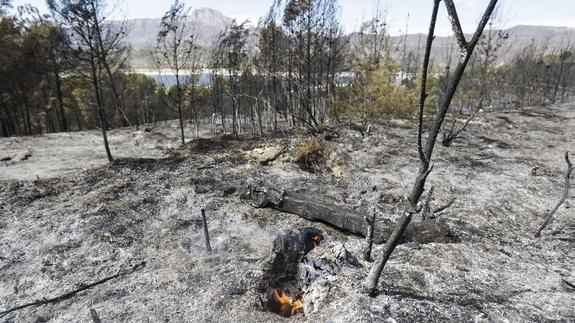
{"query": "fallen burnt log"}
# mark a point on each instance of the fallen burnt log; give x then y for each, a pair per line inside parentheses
(348, 220)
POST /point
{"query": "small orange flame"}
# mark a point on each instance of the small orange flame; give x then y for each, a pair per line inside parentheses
(296, 305)
(287, 305)
(316, 239)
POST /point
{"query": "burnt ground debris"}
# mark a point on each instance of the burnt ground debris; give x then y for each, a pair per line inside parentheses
(70, 229)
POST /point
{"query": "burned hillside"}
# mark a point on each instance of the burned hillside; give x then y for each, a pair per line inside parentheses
(138, 222)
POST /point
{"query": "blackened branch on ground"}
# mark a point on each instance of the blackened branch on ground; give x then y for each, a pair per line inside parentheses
(444, 207)
(82, 287)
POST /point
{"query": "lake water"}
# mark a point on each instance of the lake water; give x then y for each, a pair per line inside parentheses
(169, 79)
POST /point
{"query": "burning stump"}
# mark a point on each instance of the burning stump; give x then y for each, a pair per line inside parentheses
(281, 284)
(301, 271)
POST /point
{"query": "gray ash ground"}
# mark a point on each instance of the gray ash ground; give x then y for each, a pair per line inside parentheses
(60, 232)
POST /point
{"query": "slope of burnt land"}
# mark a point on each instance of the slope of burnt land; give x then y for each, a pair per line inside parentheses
(138, 221)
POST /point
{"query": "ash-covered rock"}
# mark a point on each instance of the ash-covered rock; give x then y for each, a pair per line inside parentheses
(318, 271)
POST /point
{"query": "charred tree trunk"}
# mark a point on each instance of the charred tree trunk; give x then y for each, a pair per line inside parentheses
(426, 166)
(375, 272)
(99, 103)
(179, 105)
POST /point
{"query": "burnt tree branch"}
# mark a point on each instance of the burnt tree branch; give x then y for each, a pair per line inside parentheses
(206, 232)
(482, 23)
(563, 198)
(568, 283)
(424, 170)
(456, 27)
(82, 287)
(445, 103)
(423, 90)
(453, 134)
(444, 207)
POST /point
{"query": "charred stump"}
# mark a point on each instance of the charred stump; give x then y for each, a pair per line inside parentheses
(281, 285)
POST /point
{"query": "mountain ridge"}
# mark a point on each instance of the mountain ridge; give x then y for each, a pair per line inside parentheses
(209, 23)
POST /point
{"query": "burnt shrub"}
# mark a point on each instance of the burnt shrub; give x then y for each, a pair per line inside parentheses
(310, 154)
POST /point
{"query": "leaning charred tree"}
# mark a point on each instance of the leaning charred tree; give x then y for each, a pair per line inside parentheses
(425, 167)
(262, 195)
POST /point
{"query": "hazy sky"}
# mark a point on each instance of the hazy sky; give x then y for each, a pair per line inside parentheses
(515, 12)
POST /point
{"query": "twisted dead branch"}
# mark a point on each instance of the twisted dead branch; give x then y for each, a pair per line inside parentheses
(563, 198)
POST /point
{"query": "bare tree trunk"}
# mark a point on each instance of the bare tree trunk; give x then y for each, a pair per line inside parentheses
(99, 103)
(563, 57)
(424, 161)
(466, 50)
(28, 121)
(426, 209)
